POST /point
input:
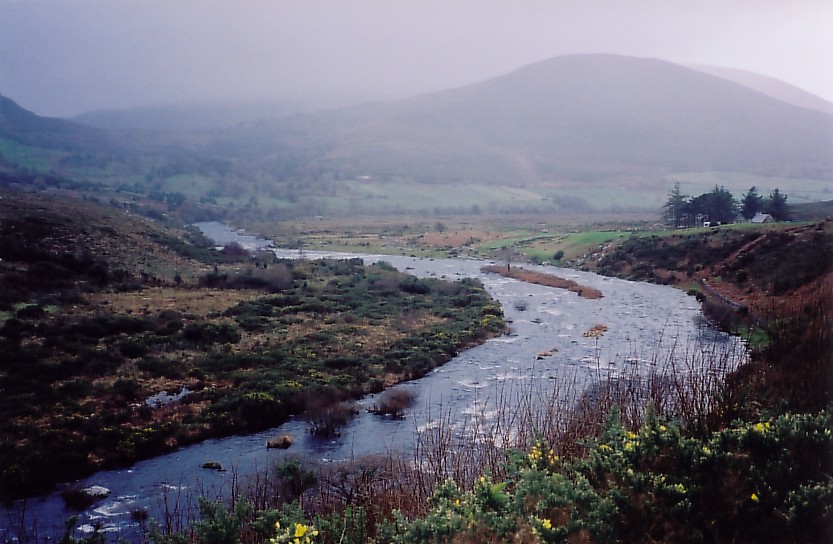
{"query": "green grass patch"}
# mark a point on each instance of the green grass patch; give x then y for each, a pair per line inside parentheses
(38, 158)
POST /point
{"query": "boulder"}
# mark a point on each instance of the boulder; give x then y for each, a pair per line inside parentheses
(96, 491)
(80, 498)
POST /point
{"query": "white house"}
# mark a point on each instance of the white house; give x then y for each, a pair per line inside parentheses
(762, 218)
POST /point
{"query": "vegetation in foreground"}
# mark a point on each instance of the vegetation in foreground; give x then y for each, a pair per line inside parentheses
(87, 348)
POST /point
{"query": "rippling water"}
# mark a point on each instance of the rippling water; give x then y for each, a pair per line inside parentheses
(648, 327)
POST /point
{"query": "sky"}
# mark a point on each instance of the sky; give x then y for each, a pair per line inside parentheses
(64, 57)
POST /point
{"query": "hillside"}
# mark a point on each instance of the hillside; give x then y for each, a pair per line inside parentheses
(574, 134)
(24, 127)
(762, 269)
(769, 86)
(772, 284)
(581, 117)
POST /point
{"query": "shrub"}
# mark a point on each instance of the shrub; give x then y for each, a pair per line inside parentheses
(133, 349)
(753, 482)
(326, 417)
(393, 403)
(160, 367)
(211, 333)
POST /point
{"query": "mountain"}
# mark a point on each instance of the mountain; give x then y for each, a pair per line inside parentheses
(191, 117)
(573, 121)
(25, 127)
(578, 117)
(772, 87)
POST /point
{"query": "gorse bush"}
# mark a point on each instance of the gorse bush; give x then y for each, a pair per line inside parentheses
(759, 481)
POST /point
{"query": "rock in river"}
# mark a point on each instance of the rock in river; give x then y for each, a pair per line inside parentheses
(282, 442)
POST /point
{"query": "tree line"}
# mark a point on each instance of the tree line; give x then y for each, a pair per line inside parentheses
(718, 206)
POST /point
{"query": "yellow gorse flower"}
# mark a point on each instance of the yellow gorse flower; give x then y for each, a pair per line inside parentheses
(537, 455)
(762, 427)
(295, 534)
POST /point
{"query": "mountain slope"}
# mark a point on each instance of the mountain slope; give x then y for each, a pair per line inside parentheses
(578, 117)
(27, 128)
(769, 86)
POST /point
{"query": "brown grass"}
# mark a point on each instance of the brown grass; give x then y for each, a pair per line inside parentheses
(549, 280)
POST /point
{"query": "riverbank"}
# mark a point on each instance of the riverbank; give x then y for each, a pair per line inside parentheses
(88, 350)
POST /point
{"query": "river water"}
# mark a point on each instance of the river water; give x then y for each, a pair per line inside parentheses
(648, 327)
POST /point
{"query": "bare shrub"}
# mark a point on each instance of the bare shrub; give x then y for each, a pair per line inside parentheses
(234, 250)
(565, 412)
(378, 484)
(277, 277)
(326, 417)
(393, 403)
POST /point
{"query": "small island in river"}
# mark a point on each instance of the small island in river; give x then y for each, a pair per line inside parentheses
(549, 280)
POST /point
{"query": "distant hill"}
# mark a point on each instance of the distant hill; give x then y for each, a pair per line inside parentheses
(772, 87)
(25, 127)
(579, 117)
(195, 117)
(572, 133)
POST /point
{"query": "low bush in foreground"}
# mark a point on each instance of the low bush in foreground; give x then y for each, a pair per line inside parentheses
(762, 481)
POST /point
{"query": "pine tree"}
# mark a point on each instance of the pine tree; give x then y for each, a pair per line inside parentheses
(776, 206)
(675, 207)
(751, 204)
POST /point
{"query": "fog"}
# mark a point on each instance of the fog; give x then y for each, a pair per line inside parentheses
(64, 57)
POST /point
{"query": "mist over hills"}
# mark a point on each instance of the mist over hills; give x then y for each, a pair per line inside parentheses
(196, 117)
(580, 117)
(595, 120)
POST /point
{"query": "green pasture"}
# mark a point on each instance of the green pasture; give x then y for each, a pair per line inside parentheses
(192, 186)
(26, 156)
(607, 198)
(417, 196)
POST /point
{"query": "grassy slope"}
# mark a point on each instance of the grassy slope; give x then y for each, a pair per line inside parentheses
(764, 268)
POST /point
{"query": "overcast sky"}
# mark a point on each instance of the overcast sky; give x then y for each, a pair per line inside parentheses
(63, 57)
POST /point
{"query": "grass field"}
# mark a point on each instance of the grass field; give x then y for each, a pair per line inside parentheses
(29, 157)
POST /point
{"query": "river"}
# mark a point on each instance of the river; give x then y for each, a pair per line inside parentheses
(648, 327)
